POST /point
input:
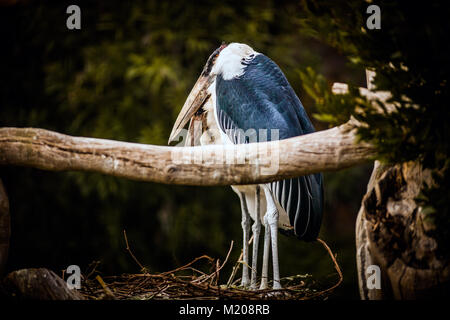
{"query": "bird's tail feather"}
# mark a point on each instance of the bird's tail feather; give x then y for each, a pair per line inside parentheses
(302, 199)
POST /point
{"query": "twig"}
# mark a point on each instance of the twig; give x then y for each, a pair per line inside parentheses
(159, 291)
(108, 291)
(93, 265)
(143, 269)
(187, 265)
(237, 264)
(215, 279)
(224, 262)
(336, 266)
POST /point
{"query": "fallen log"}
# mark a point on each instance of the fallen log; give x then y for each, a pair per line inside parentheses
(38, 284)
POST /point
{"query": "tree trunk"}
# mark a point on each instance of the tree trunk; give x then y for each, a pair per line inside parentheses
(5, 228)
(391, 232)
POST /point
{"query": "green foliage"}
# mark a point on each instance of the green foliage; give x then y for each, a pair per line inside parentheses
(411, 59)
(411, 56)
(332, 109)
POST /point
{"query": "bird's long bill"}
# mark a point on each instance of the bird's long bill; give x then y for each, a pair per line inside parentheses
(197, 97)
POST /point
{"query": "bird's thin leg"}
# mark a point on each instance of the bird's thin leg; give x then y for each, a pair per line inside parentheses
(246, 232)
(265, 266)
(272, 221)
(256, 228)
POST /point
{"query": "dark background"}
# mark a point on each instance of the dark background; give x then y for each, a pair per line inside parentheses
(125, 76)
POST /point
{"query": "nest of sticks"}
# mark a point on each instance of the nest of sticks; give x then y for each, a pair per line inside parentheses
(189, 282)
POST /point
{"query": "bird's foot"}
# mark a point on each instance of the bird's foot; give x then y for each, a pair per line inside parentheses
(264, 284)
(253, 287)
(245, 284)
(277, 285)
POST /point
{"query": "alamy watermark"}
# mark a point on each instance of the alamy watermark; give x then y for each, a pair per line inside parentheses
(374, 20)
(373, 280)
(74, 20)
(74, 280)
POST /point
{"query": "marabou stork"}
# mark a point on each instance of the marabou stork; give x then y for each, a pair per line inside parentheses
(241, 89)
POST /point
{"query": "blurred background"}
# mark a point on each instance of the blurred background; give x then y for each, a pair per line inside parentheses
(125, 76)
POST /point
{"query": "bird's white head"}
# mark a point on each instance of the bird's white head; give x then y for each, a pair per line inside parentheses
(228, 61)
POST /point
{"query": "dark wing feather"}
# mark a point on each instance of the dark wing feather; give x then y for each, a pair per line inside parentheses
(262, 98)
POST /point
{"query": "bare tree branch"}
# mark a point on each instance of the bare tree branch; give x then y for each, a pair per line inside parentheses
(326, 150)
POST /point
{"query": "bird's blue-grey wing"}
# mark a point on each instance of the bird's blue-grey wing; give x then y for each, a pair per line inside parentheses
(262, 98)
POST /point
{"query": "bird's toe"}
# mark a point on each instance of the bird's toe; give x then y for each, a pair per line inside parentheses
(277, 285)
(245, 284)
